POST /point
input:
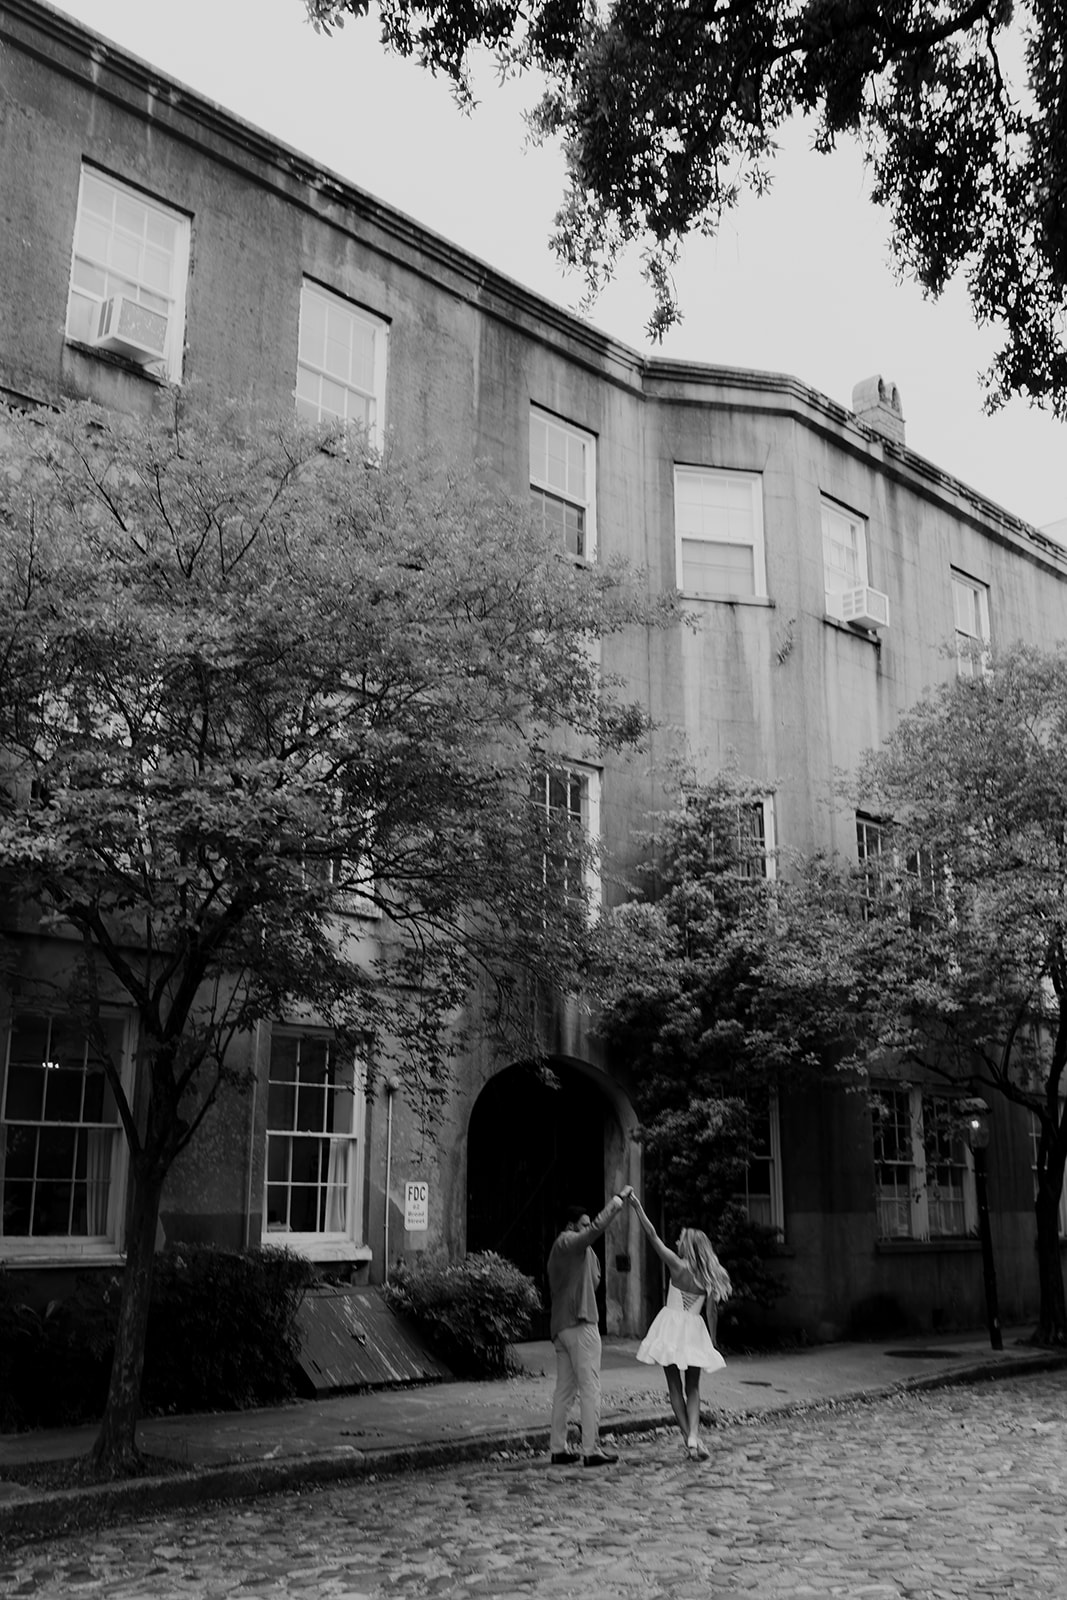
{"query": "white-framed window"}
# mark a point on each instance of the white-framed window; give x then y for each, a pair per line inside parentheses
(351, 873)
(970, 615)
(1035, 1140)
(761, 1191)
(62, 1147)
(314, 1165)
(844, 549)
(757, 844)
(923, 1170)
(569, 795)
(130, 247)
(718, 520)
(341, 361)
(563, 482)
(875, 857)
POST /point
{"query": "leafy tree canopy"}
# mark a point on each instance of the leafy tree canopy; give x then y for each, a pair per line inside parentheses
(275, 719)
(667, 110)
(719, 983)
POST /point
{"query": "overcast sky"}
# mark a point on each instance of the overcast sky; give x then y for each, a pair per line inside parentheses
(798, 282)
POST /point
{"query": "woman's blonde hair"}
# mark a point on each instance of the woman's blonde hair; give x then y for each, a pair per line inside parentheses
(696, 1251)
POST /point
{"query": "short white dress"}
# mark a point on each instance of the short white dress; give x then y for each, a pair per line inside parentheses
(679, 1335)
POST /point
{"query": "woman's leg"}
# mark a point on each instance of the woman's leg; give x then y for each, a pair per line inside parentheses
(674, 1389)
(692, 1406)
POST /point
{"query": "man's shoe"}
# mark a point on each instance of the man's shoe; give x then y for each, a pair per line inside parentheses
(603, 1458)
(565, 1458)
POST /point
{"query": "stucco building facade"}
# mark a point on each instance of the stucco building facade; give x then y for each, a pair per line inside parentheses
(147, 236)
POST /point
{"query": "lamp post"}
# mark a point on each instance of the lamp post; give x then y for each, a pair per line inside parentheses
(976, 1132)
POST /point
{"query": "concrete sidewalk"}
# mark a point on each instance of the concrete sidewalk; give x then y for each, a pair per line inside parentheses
(235, 1454)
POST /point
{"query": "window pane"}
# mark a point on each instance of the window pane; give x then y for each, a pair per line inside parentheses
(63, 1095)
(93, 238)
(312, 329)
(126, 257)
(88, 277)
(97, 196)
(129, 214)
(160, 230)
(281, 1105)
(277, 1205)
(55, 1153)
(311, 1107)
(332, 399)
(716, 569)
(29, 1039)
(20, 1152)
(25, 1093)
(18, 1201)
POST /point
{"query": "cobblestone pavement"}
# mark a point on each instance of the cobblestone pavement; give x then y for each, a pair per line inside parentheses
(956, 1492)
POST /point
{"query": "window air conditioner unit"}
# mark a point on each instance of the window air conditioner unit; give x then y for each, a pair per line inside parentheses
(869, 608)
(131, 330)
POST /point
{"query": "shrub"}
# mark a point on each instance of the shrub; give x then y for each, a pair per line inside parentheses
(55, 1360)
(237, 1311)
(222, 1336)
(746, 1248)
(470, 1311)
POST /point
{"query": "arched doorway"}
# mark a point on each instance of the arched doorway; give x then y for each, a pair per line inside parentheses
(533, 1148)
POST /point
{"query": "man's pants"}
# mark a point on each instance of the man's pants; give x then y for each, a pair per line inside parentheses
(577, 1373)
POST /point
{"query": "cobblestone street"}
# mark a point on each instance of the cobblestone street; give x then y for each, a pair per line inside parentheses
(957, 1492)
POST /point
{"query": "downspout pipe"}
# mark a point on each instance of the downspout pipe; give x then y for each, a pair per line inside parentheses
(392, 1085)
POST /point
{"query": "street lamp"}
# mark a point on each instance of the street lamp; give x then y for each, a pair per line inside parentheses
(976, 1132)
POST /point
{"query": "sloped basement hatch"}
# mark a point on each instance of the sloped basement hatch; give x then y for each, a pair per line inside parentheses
(350, 1339)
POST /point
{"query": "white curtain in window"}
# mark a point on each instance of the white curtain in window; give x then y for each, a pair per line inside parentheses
(98, 1145)
(337, 1186)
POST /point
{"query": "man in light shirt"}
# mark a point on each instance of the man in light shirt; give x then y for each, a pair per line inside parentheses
(573, 1277)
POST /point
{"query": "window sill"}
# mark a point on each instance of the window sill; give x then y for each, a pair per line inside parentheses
(920, 1247)
(111, 358)
(728, 600)
(316, 1250)
(73, 1256)
(854, 630)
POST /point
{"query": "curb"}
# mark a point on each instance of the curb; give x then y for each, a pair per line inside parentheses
(93, 1506)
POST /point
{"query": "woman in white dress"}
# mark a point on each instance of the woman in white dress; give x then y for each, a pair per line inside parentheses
(679, 1340)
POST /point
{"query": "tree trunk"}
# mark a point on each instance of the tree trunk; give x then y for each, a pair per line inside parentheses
(1052, 1311)
(115, 1453)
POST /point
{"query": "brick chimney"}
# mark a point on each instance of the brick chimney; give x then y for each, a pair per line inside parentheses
(877, 403)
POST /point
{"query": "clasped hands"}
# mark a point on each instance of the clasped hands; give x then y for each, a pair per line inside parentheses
(627, 1195)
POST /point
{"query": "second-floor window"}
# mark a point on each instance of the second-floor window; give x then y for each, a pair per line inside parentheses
(570, 798)
(563, 482)
(719, 533)
(875, 858)
(757, 854)
(970, 615)
(341, 362)
(128, 274)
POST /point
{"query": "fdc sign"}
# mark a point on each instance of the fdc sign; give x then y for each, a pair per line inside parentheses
(416, 1207)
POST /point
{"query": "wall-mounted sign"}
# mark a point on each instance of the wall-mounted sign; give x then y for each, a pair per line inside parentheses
(416, 1207)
